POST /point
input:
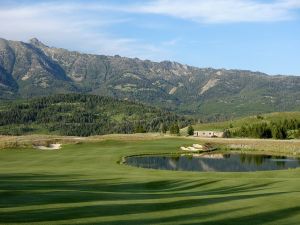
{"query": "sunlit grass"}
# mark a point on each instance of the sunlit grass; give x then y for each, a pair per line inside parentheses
(83, 184)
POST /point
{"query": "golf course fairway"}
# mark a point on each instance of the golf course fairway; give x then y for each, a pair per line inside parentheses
(84, 184)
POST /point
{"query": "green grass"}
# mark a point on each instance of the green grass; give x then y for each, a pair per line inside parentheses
(83, 184)
(237, 123)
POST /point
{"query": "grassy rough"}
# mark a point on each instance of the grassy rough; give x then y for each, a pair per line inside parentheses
(83, 184)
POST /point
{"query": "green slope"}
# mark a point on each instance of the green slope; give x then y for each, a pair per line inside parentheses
(237, 123)
(83, 184)
(289, 121)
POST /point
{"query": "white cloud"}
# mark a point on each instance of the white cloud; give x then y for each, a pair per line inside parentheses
(222, 11)
(86, 26)
(74, 26)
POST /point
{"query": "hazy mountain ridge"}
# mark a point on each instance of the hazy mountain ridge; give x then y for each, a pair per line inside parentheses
(33, 69)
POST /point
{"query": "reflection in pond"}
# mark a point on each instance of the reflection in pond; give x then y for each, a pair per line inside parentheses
(215, 162)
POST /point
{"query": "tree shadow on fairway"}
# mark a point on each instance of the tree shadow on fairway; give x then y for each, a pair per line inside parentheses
(30, 198)
(257, 218)
(34, 189)
(171, 219)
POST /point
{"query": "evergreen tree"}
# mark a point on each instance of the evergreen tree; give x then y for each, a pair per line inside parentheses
(279, 132)
(139, 129)
(83, 115)
(227, 133)
(174, 129)
(297, 134)
(190, 130)
(163, 128)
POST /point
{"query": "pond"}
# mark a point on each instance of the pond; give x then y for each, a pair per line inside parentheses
(232, 162)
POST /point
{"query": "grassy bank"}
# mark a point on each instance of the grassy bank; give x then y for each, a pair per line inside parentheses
(267, 146)
(83, 184)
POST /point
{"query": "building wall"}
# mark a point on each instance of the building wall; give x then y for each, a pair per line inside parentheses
(208, 134)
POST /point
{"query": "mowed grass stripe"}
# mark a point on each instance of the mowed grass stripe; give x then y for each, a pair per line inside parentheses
(84, 184)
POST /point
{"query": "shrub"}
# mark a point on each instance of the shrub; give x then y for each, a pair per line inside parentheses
(174, 129)
(190, 130)
(227, 133)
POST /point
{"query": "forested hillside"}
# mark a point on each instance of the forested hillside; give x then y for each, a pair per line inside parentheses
(83, 115)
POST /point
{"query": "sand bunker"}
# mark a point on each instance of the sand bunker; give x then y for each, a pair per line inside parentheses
(194, 148)
(199, 148)
(50, 147)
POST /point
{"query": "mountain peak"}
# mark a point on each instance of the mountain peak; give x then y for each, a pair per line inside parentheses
(36, 42)
(33, 69)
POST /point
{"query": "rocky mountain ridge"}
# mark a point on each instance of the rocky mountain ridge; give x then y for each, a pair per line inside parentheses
(35, 69)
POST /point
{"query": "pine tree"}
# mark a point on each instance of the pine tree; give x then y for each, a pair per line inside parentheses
(174, 129)
(163, 128)
(227, 133)
(139, 129)
(190, 130)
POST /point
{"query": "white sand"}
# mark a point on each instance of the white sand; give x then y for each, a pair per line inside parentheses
(51, 147)
(198, 146)
(190, 149)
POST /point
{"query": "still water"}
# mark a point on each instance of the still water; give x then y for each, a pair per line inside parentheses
(215, 162)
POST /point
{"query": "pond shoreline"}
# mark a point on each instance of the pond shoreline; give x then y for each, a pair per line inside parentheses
(213, 162)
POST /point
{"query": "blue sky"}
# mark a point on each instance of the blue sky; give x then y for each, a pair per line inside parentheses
(233, 34)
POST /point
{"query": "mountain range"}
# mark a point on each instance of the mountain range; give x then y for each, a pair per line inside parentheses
(35, 69)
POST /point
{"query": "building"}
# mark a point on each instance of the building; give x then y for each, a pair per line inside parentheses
(208, 134)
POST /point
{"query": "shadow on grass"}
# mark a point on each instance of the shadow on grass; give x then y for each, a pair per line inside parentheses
(40, 190)
(258, 218)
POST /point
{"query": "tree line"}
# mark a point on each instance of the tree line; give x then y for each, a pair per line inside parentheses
(85, 115)
(274, 129)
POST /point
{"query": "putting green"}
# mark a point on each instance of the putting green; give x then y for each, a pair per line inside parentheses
(84, 184)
